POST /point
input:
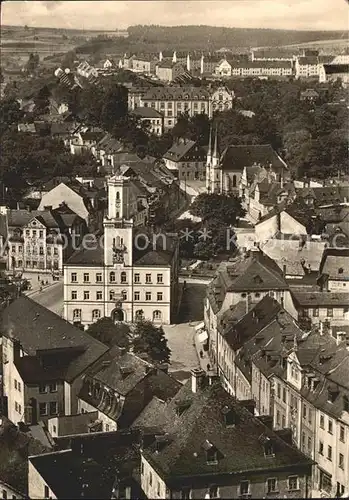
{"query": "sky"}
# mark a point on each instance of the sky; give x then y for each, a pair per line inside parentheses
(117, 14)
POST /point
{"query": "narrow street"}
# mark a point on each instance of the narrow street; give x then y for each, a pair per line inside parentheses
(51, 297)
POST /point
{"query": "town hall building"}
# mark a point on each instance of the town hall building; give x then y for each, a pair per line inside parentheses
(127, 274)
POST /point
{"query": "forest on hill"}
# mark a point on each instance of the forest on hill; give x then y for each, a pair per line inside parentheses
(216, 37)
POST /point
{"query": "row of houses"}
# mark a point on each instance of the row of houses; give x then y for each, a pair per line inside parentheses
(72, 404)
(283, 342)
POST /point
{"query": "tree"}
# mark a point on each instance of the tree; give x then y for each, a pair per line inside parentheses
(151, 340)
(181, 129)
(224, 208)
(42, 100)
(110, 333)
(33, 62)
(10, 114)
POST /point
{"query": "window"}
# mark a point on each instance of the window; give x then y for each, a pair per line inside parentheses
(142, 468)
(322, 422)
(283, 422)
(304, 411)
(48, 250)
(293, 483)
(86, 277)
(43, 388)
(77, 315)
(112, 276)
(123, 277)
(53, 387)
(15, 383)
(325, 482)
(157, 316)
(310, 415)
(53, 408)
(46, 491)
(329, 453)
(111, 295)
(150, 479)
(159, 296)
(55, 251)
(213, 491)
(342, 433)
(137, 278)
(309, 443)
(330, 426)
(271, 485)
(244, 487)
(277, 417)
(73, 277)
(279, 391)
(4, 494)
(329, 312)
(96, 314)
(185, 493)
(315, 312)
(147, 295)
(136, 296)
(106, 427)
(74, 295)
(99, 295)
(86, 295)
(98, 277)
(148, 278)
(41, 251)
(124, 295)
(321, 448)
(42, 409)
(284, 395)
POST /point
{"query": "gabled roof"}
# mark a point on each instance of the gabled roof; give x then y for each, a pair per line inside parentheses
(335, 263)
(38, 329)
(314, 298)
(238, 157)
(20, 218)
(179, 149)
(202, 426)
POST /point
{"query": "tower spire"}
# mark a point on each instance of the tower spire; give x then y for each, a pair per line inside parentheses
(209, 152)
(215, 150)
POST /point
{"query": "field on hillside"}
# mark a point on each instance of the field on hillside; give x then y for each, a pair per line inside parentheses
(325, 45)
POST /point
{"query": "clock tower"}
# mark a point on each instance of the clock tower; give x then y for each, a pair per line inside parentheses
(118, 227)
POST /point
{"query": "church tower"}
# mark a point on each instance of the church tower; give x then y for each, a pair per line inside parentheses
(215, 170)
(209, 163)
(118, 226)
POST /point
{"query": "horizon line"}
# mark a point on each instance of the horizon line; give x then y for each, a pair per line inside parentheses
(329, 30)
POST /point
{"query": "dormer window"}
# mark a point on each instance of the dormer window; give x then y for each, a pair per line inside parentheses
(267, 446)
(211, 453)
(332, 394)
(230, 417)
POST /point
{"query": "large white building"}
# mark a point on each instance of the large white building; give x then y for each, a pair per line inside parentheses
(128, 274)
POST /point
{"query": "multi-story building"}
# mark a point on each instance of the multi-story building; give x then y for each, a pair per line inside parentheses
(254, 69)
(167, 70)
(333, 272)
(144, 64)
(187, 160)
(127, 274)
(225, 170)
(321, 307)
(308, 67)
(173, 101)
(152, 118)
(44, 358)
(248, 279)
(41, 239)
(221, 443)
(271, 55)
(113, 384)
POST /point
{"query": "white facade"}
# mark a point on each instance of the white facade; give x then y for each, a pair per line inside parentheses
(114, 286)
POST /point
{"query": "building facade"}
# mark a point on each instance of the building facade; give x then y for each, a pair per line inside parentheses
(126, 275)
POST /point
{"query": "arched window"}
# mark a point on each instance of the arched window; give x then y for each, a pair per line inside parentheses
(77, 315)
(117, 195)
(139, 315)
(157, 316)
(112, 276)
(234, 181)
(123, 277)
(96, 314)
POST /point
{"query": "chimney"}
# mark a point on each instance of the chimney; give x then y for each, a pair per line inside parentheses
(16, 350)
(278, 220)
(248, 303)
(197, 379)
